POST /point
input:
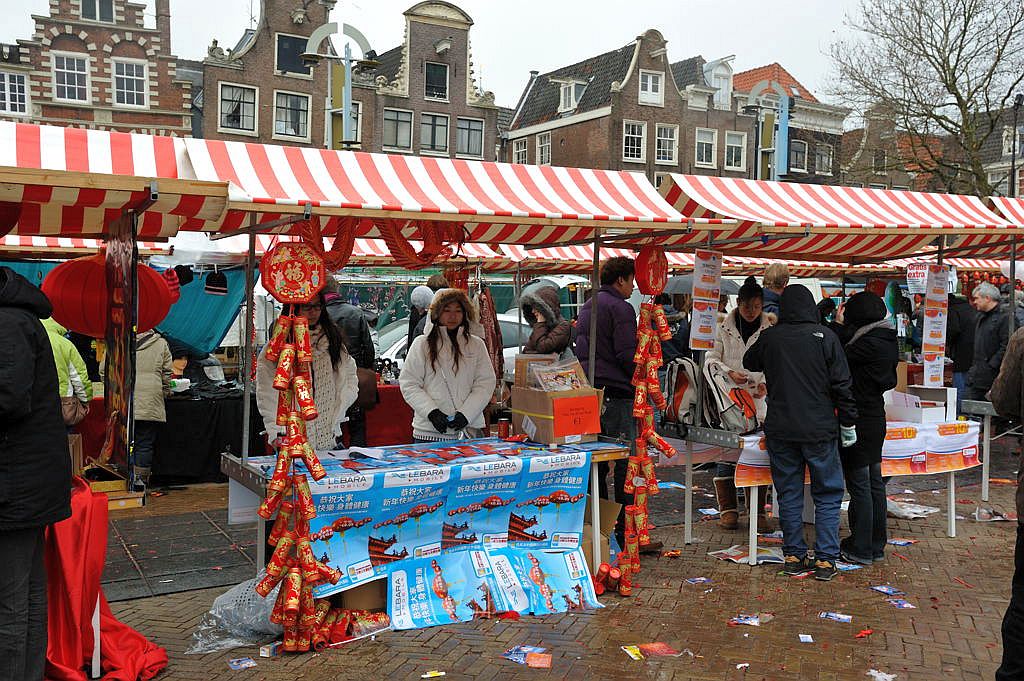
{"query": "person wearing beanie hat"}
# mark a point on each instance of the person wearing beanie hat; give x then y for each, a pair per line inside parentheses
(448, 378)
(810, 411)
(872, 353)
(419, 303)
(739, 330)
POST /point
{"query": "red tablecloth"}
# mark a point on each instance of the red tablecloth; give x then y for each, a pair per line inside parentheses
(390, 422)
(76, 550)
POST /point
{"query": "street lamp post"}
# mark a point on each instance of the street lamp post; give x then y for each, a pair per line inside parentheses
(312, 58)
(755, 111)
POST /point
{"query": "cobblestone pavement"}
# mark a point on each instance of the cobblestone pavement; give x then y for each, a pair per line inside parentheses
(960, 587)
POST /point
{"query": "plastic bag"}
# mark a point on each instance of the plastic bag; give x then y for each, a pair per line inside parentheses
(238, 617)
(566, 374)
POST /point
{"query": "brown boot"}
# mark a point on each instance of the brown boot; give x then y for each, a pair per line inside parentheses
(725, 492)
(764, 523)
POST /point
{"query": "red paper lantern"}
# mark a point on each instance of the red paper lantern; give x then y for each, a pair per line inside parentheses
(77, 290)
(651, 270)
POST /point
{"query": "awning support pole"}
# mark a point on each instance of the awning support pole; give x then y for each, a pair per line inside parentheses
(248, 346)
(519, 303)
(595, 503)
(253, 228)
(1013, 286)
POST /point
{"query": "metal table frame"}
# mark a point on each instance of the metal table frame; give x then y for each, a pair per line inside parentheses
(987, 411)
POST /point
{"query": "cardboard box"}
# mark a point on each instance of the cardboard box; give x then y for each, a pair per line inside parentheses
(121, 500)
(920, 404)
(609, 514)
(103, 478)
(523, 363)
(75, 449)
(370, 596)
(564, 417)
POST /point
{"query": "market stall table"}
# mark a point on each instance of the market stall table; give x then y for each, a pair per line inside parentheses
(909, 449)
(987, 411)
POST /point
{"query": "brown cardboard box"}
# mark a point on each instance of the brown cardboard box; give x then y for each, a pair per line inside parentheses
(120, 500)
(563, 417)
(103, 478)
(901, 377)
(75, 448)
(609, 514)
(523, 363)
(370, 596)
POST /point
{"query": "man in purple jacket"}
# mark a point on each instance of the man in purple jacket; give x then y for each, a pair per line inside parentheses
(616, 344)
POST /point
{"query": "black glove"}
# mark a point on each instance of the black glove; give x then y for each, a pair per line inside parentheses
(458, 421)
(439, 420)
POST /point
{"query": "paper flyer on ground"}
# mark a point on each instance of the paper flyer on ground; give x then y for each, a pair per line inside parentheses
(426, 592)
(552, 496)
(410, 521)
(480, 504)
(345, 512)
(543, 582)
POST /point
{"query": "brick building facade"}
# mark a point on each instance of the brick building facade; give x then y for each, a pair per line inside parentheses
(94, 64)
(260, 90)
(421, 97)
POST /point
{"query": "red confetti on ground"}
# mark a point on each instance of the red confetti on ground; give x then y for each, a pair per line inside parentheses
(510, 615)
(960, 581)
(157, 494)
(965, 501)
(863, 633)
(900, 556)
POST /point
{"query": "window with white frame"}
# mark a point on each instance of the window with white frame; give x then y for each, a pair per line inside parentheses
(704, 151)
(823, 159)
(519, 150)
(98, 10)
(237, 108)
(722, 82)
(735, 150)
(634, 141)
(652, 89)
(569, 96)
(433, 132)
(291, 114)
(658, 179)
(544, 149)
(1000, 182)
(436, 81)
(130, 77)
(469, 137)
(877, 186)
(70, 77)
(13, 93)
(397, 129)
(878, 161)
(666, 144)
(1008, 141)
(288, 55)
(798, 155)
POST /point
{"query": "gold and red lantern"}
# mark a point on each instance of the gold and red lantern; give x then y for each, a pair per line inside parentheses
(651, 270)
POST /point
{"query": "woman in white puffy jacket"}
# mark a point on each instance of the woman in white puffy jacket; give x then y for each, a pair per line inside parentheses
(447, 377)
(736, 333)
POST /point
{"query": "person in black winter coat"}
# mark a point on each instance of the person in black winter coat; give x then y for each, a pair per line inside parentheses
(991, 334)
(808, 381)
(872, 353)
(355, 331)
(35, 473)
(960, 323)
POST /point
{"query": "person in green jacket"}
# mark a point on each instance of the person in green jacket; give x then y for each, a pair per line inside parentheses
(71, 371)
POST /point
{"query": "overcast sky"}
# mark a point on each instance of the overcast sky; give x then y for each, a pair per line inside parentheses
(511, 38)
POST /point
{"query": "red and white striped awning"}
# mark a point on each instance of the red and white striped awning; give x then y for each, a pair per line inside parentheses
(496, 202)
(99, 175)
(62, 247)
(827, 221)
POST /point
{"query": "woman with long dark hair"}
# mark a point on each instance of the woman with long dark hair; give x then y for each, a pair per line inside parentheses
(447, 378)
(335, 385)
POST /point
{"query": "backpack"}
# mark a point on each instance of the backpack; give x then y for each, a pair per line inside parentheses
(726, 405)
(681, 391)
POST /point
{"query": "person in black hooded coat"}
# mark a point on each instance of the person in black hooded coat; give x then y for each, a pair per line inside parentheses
(872, 353)
(35, 473)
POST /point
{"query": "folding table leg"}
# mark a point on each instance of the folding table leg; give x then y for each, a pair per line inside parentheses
(595, 519)
(261, 545)
(752, 502)
(986, 452)
(951, 492)
(96, 666)
(688, 516)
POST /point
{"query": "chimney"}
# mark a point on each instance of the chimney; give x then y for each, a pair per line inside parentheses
(163, 23)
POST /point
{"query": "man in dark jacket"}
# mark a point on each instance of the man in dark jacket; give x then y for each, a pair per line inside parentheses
(35, 473)
(356, 332)
(990, 337)
(808, 379)
(960, 323)
(616, 345)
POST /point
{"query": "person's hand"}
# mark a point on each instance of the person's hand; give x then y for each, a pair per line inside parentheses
(847, 436)
(840, 313)
(439, 420)
(761, 390)
(738, 377)
(458, 421)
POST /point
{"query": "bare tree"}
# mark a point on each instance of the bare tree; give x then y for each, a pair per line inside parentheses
(944, 69)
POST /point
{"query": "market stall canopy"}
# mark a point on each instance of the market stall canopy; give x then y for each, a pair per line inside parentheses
(73, 182)
(53, 247)
(487, 202)
(830, 222)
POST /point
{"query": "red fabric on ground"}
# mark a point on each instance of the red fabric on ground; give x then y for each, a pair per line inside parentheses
(93, 429)
(76, 550)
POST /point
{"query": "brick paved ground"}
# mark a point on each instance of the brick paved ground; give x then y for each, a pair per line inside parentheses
(953, 634)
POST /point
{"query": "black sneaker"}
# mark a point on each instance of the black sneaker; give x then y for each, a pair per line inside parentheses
(856, 560)
(796, 566)
(825, 570)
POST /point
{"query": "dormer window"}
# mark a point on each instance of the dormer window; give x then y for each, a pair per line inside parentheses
(718, 75)
(98, 10)
(436, 85)
(651, 89)
(569, 97)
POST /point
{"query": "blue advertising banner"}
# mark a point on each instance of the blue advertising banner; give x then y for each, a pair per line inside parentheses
(551, 502)
(542, 582)
(340, 533)
(410, 522)
(426, 592)
(480, 504)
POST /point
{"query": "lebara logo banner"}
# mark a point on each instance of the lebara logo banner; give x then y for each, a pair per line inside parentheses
(429, 591)
(480, 505)
(549, 510)
(346, 507)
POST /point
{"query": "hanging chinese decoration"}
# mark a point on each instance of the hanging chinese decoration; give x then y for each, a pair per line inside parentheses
(294, 273)
(651, 270)
(436, 239)
(641, 481)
